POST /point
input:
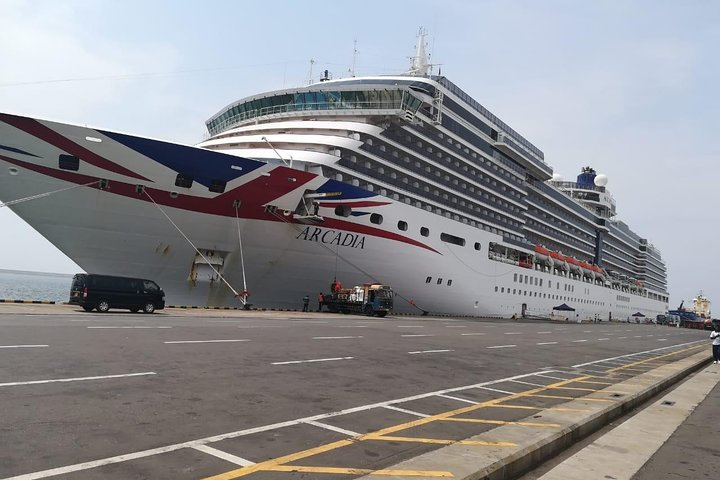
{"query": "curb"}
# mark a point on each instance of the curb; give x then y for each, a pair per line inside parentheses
(493, 465)
(44, 302)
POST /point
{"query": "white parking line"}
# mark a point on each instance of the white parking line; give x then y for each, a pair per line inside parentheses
(336, 338)
(543, 333)
(470, 334)
(622, 338)
(260, 326)
(410, 326)
(409, 412)
(579, 341)
(23, 346)
(126, 327)
(430, 351)
(349, 433)
(208, 341)
(502, 346)
(79, 379)
(455, 326)
(497, 390)
(547, 343)
(313, 360)
(240, 433)
(417, 335)
(224, 455)
(513, 333)
(351, 326)
(601, 339)
(459, 399)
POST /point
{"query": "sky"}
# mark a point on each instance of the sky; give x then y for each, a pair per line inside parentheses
(627, 87)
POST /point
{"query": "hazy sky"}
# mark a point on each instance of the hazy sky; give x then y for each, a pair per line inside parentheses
(628, 87)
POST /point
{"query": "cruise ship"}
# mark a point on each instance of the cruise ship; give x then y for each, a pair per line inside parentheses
(404, 180)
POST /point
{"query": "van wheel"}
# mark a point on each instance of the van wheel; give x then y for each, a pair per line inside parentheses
(103, 306)
(134, 310)
(369, 311)
(149, 308)
(87, 308)
(381, 314)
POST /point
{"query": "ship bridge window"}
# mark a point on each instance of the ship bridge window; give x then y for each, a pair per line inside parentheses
(217, 186)
(184, 181)
(428, 279)
(69, 162)
(376, 218)
(446, 237)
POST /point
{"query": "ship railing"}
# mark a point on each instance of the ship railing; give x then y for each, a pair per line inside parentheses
(385, 107)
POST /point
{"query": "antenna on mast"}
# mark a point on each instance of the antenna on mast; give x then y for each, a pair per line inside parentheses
(355, 52)
(420, 65)
(312, 62)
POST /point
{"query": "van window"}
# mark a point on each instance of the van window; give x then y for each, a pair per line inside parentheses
(151, 286)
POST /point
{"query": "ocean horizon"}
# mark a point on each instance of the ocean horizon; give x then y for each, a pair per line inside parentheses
(31, 285)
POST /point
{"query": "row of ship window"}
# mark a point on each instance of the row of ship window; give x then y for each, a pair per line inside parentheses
(490, 197)
(518, 291)
(377, 219)
(454, 202)
(417, 203)
(538, 282)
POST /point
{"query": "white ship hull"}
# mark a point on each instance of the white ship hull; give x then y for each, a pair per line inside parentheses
(118, 231)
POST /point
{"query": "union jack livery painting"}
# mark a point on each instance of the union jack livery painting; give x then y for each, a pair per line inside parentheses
(401, 180)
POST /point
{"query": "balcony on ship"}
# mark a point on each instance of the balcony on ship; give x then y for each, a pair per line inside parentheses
(523, 156)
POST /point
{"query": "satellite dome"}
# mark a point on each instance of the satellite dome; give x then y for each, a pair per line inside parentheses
(601, 180)
(557, 177)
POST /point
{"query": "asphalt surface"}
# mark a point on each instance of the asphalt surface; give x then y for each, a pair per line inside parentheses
(118, 395)
(693, 451)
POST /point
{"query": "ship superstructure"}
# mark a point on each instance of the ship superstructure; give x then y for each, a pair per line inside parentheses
(404, 180)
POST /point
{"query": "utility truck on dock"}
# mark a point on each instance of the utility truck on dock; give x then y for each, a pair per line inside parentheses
(369, 299)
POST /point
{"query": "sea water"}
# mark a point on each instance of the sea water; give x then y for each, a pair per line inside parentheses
(21, 285)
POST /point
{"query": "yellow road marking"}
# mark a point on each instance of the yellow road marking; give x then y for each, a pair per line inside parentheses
(501, 422)
(640, 362)
(437, 441)
(524, 407)
(586, 389)
(241, 472)
(572, 398)
(360, 471)
(276, 462)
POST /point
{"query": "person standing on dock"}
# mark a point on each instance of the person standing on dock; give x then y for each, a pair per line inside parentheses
(321, 301)
(306, 303)
(715, 337)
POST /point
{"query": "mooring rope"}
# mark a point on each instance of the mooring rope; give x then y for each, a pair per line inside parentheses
(235, 292)
(245, 292)
(46, 194)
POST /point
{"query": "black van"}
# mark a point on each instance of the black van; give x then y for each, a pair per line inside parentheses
(105, 292)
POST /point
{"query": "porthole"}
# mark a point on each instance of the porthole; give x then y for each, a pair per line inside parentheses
(184, 181)
(449, 283)
(343, 211)
(425, 232)
(376, 218)
(69, 162)
(477, 246)
(428, 279)
(402, 225)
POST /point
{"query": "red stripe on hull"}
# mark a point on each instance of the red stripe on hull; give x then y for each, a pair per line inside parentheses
(253, 195)
(40, 131)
